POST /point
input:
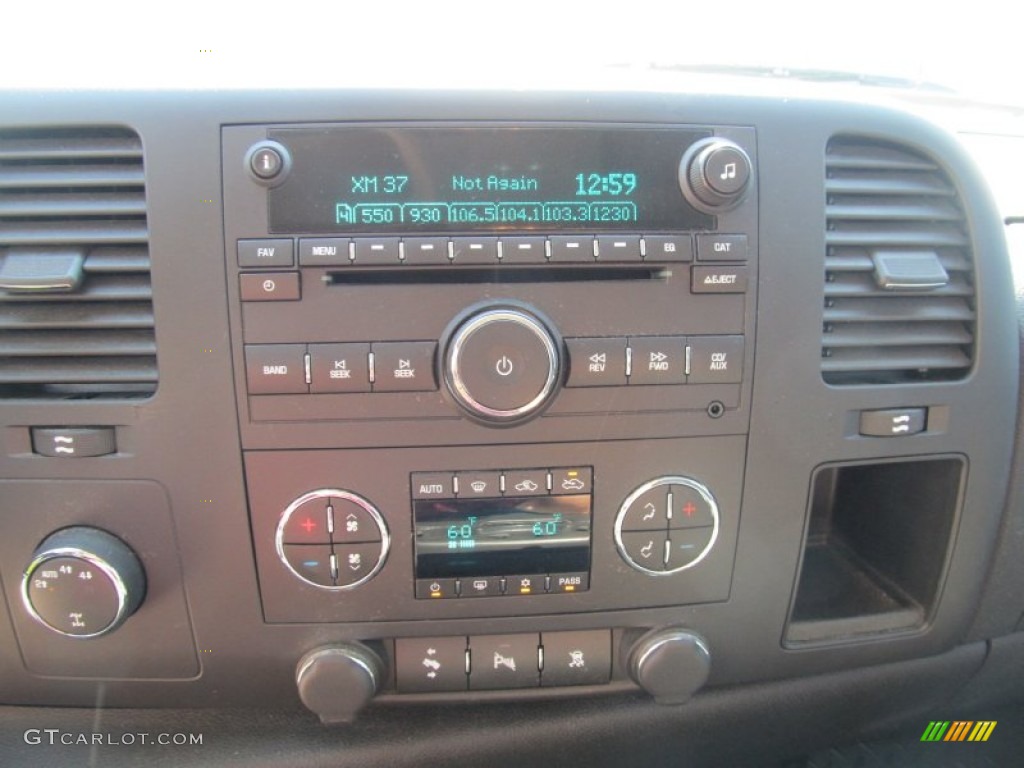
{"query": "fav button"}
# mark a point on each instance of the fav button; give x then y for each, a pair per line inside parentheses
(265, 253)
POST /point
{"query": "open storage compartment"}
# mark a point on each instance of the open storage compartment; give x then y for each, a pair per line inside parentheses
(878, 539)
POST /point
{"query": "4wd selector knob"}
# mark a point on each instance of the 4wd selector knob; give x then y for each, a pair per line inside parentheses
(83, 582)
(502, 364)
(714, 174)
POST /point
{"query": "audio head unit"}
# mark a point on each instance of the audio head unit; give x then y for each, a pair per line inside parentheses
(483, 275)
(515, 312)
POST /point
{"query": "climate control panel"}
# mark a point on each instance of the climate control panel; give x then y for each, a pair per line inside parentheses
(424, 534)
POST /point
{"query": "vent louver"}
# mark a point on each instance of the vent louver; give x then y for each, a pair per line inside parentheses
(887, 202)
(76, 314)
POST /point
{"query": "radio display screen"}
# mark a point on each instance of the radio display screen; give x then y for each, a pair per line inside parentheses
(413, 180)
(501, 537)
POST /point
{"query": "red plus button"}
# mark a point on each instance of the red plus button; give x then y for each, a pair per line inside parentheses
(307, 524)
(689, 509)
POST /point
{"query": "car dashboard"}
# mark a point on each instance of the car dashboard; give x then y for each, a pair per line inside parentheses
(485, 427)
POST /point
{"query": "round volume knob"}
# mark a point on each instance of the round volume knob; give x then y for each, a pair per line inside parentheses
(502, 365)
(714, 174)
(338, 681)
(670, 664)
(83, 582)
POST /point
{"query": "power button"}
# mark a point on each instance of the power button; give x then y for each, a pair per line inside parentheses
(502, 365)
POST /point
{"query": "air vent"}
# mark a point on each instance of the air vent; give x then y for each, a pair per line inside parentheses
(899, 283)
(76, 311)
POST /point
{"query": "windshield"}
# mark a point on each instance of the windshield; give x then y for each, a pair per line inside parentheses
(967, 48)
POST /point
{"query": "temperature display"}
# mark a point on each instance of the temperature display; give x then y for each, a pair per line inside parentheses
(430, 179)
(469, 537)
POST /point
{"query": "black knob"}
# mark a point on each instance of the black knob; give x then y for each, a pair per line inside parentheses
(670, 664)
(338, 681)
(502, 364)
(714, 175)
(83, 582)
(268, 163)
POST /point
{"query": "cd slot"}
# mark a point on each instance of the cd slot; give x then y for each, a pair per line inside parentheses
(502, 274)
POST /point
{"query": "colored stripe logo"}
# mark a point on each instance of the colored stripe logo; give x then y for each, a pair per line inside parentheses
(958, 730)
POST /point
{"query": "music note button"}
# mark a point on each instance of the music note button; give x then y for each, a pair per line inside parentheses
(727, 170)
